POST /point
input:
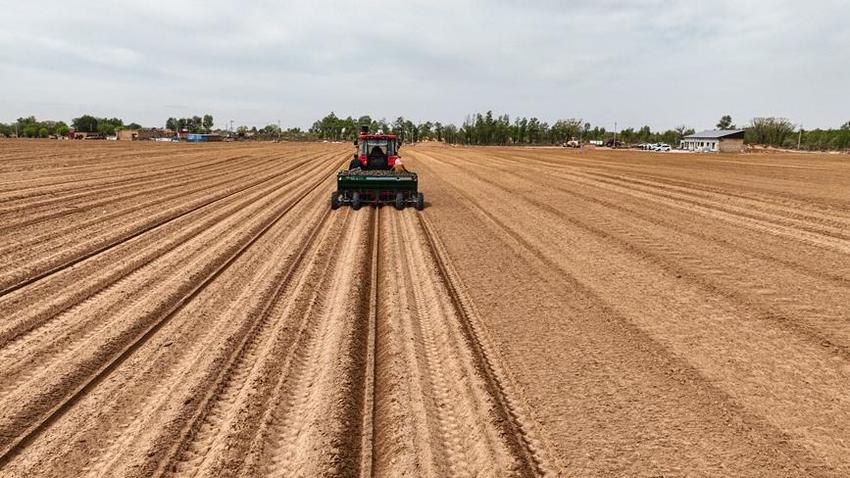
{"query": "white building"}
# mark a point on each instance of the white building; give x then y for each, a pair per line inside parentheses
(722, 140)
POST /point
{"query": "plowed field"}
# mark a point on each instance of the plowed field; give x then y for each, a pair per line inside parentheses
(198, 310)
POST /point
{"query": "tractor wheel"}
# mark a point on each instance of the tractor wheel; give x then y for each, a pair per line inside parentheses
(399, 201)
(355, 201)
(335, 203)
(420, 201)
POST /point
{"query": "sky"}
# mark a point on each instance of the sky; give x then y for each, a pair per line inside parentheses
(662, 63)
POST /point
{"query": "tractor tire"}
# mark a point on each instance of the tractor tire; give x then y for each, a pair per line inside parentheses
(355, 201)
(335, 203)
(420, 201)
(399, 201)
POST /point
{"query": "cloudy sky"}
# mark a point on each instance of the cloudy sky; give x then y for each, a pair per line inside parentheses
(656, 62)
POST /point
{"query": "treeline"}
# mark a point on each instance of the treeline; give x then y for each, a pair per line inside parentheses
(487, 129)
(478, 129)
(826, 139)
(30, 127)
(333, 128)
(104, 126)
(195, 124)
(782, 133)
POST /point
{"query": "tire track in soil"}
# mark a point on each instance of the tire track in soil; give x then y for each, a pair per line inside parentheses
(439, 408)
(316, 427)
(23, 354)
(130, 177)
(347, 343)
(517, 433)
(10, 285)
(153, 410)
(818, 229)
(20, 427)
(72, 280)
(221, 441)
(101, 224)
(276, 432)
(774, 200)
(799, 315)
(28, 229)
(94, 172)
(235, 387)
(753, 416)
(121, 187)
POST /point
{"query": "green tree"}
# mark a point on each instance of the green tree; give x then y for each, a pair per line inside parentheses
(207, 122)
(769, 131)
(85, 124)
(644, 134)
(30, 130)
(725, 122)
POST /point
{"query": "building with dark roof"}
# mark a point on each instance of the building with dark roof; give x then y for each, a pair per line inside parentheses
(722, 140)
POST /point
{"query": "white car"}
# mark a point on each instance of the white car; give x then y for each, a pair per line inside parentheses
(663, 147)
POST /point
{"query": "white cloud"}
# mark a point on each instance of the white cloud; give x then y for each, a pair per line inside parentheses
(657, 62)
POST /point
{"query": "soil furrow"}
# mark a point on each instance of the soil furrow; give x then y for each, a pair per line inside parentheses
(57, 262)
(198, 310)
(751, 286)
(19, 426)
(67, 327)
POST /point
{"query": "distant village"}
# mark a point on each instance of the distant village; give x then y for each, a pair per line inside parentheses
(153, 134)
(193, 129)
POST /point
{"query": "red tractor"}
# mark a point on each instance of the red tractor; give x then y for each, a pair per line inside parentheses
(375, 176)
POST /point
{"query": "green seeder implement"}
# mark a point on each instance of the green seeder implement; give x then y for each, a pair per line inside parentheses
(357, 187)
(376, 175)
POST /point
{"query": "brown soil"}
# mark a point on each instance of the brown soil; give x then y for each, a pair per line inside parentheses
(199, 310)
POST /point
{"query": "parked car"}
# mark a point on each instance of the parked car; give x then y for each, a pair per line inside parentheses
(662, 147)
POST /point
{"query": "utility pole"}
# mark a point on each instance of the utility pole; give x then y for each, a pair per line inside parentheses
(615, 135)
(800, 137)
(278, 131)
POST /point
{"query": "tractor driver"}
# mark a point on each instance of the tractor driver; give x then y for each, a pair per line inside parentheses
(398, 167)
(376, 151)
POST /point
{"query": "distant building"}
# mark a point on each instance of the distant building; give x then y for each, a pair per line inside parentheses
(154, 133)
(203, 138)
(720, 140)
(127, 135)
(83, 135)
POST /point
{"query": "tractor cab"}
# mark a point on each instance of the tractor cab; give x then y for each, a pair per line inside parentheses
(375, 152)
